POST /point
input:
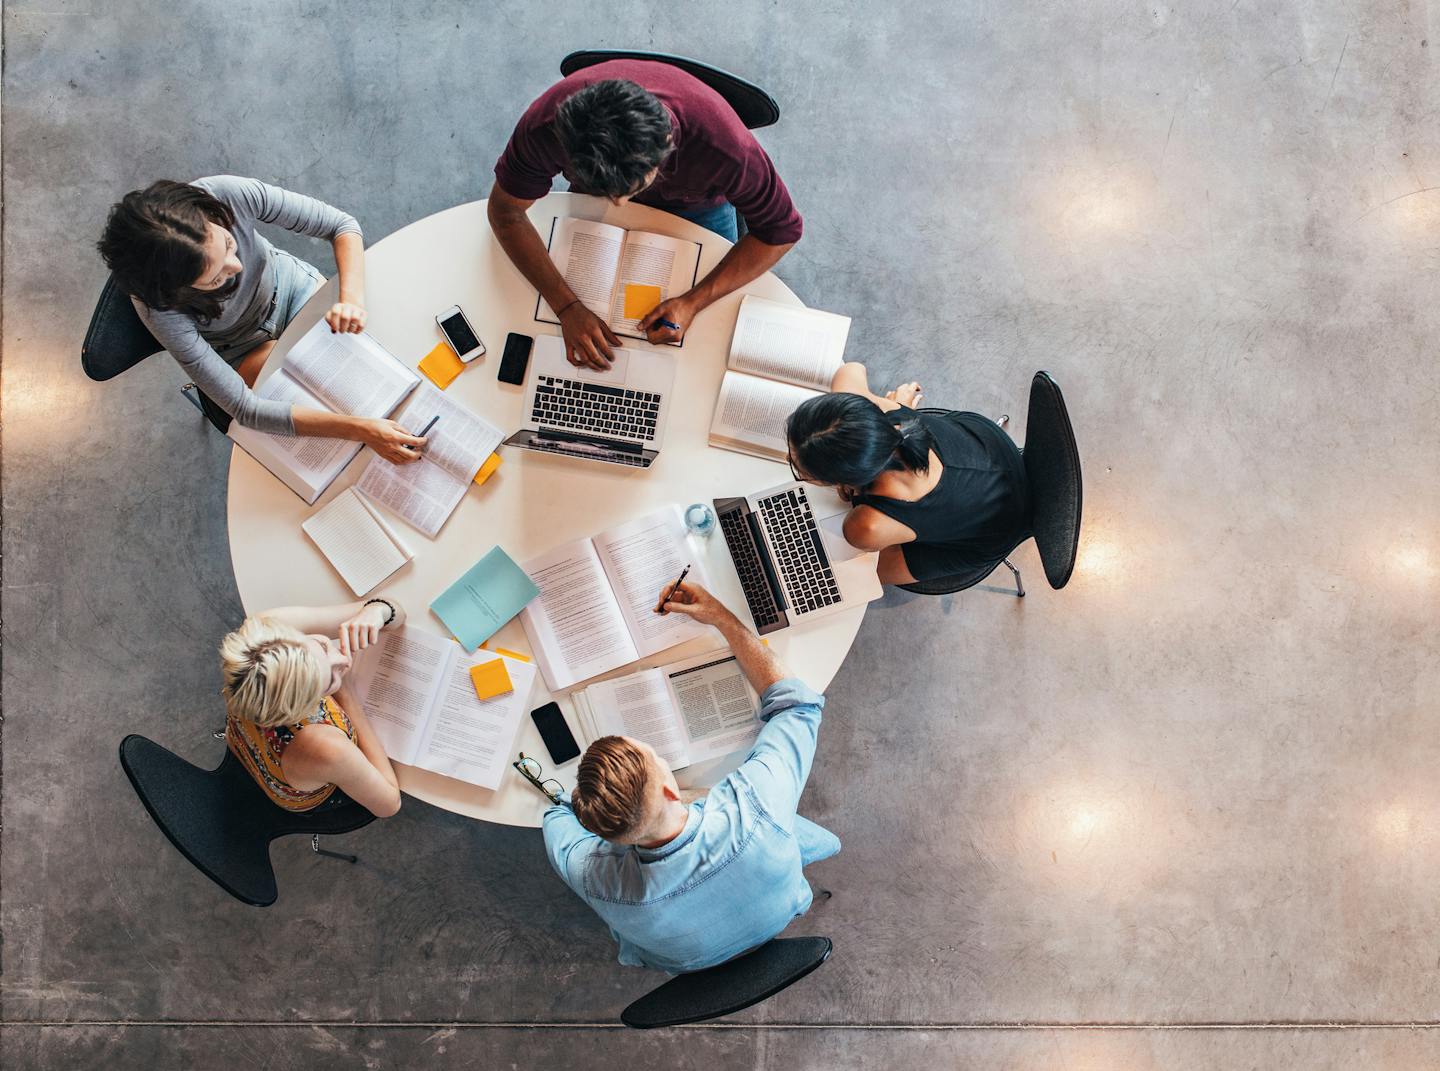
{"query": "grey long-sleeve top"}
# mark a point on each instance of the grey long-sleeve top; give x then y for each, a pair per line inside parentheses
(193, 343)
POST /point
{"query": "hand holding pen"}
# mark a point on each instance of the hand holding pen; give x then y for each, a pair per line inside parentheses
(660, 607)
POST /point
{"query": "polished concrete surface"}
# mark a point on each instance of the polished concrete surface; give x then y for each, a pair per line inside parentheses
(1182, 814)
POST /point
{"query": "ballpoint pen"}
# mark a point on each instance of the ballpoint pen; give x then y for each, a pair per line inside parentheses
(676, 587)
(426, 432)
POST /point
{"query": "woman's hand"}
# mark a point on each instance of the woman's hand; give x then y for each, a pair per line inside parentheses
(363, 629)
(678, 310)
(907, 394)
(346, 317)
(587, 337)
(391, 441)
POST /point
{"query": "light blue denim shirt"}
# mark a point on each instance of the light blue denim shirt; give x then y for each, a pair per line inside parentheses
(731, 880)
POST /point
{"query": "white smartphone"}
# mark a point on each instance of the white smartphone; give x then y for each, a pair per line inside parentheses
(461, 336)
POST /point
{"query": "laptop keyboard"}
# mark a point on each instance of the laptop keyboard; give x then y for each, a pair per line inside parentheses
(598, 410)
(746, 557)
(800, 557)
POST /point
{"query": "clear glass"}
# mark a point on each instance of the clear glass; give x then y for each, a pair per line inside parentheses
(700, 519)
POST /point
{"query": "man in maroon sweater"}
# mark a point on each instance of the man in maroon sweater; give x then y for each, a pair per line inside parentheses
(644, 131)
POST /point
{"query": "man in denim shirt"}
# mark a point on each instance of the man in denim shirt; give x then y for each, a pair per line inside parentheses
(682, 887)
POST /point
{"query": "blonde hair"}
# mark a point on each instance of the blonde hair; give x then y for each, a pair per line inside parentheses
(610, 788)
(271, 675)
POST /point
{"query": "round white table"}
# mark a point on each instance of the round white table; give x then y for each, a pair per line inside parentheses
(534, 501)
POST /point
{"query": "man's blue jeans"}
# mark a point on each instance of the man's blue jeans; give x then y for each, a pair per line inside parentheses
(816, 842)
(719, 218)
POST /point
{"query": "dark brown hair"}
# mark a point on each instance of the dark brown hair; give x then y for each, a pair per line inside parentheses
(609, 796)
(154, 243)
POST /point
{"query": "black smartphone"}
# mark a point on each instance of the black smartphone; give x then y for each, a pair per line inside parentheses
(515, 359)
(556, 734)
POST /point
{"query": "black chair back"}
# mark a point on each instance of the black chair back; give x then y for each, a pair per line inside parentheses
(753, 105)
(730, 987)
(1052, 469)
(220, 819)
(117, 338)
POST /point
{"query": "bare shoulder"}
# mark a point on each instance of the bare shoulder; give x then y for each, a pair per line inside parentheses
(869, 529)
(316, 751)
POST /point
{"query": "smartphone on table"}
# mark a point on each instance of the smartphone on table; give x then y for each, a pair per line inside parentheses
(555, 733)
(462, 337)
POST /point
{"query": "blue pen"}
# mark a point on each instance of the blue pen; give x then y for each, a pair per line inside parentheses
(668, 323)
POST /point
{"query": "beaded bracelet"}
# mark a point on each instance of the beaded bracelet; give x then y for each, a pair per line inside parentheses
(385, 603)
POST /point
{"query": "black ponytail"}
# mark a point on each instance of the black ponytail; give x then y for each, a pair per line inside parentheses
(848, 440)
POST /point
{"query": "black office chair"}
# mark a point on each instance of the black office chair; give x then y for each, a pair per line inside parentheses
(730, 987)
(222, 822)
(1052, 470)
(753, 105)
(118, 339)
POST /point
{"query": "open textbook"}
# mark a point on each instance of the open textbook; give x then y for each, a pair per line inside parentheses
(596, 609)
(418, 695)
(619, 275)
(780, 356)
(344, 373)
(356, 540)
(688, 712)
(426, 492)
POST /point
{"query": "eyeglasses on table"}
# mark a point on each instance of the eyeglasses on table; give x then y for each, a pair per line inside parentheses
(532, 771)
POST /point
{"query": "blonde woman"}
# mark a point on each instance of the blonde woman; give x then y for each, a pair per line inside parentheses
(292, 721)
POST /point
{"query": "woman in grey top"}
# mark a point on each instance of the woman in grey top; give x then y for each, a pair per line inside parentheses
(217, 295)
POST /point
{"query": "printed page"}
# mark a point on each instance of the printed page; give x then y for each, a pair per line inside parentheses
(656, 261)
(642, 559)
(397, 680)
(461, 439)
(639, 705)
(575, 627)
(423, 495)
(353, 373)
(587, 254)
(356, 542)
(716, 704)
(750, 414)
(305, 464)
(801, 346)
(470, 738)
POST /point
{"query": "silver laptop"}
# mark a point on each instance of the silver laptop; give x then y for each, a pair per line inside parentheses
(616, 416)
(791, 556)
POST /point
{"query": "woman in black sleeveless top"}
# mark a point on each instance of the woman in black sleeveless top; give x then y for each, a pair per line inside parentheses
(935, 492)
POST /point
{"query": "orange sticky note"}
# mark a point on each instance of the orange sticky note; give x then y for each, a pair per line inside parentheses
(440, 366)
(488, 469)
(640, 299)
(491, 679)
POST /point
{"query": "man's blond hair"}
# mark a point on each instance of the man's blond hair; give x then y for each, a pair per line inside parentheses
(610, 788)
(272, 677)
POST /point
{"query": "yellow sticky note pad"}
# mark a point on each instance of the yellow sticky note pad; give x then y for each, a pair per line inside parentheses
(640, 299)
(440, 366)
(488, 469)
(491, 679)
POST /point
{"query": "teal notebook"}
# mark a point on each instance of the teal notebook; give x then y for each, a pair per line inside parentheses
(493, 591)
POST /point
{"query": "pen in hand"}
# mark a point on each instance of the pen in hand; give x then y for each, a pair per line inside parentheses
(673, 327)
(433, 421)
(673, 589)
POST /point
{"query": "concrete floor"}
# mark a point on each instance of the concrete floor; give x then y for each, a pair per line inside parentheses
(1181, 815)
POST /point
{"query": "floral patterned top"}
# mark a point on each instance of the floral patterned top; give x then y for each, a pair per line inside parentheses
(261, 750)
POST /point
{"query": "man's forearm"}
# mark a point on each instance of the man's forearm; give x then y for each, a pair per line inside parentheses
(760, 665)
(527, 252)
(749, 259)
